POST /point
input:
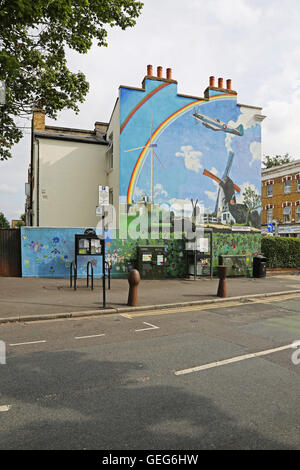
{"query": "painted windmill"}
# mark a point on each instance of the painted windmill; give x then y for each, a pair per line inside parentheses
(226, 193)
(150, 146)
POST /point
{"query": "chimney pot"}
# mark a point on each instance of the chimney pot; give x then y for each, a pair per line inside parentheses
(149, 70)
(220, 82)
(212, 81)
(228, 84)
(159, 72)
(169, 74)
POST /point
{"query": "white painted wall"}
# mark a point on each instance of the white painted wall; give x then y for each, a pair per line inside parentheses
(69, 178)
(113, 175)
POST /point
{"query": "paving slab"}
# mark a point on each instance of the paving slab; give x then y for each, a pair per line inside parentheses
(25, 297)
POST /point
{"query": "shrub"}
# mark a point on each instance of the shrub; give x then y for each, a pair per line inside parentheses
(281, 252)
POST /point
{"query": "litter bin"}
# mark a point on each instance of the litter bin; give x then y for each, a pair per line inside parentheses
(259, 266)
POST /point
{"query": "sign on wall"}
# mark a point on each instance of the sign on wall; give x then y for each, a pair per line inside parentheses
(103, 195)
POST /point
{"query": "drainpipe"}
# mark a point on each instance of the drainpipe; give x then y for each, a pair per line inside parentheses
(38, 186)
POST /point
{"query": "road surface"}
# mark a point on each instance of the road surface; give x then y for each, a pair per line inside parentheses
(214, 377)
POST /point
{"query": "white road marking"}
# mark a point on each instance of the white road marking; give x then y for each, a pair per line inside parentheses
(153, 327)
(30, 342)
(5, 408)
(90, 336)
(231, 360)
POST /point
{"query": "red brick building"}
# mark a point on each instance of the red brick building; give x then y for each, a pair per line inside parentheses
(281, 199)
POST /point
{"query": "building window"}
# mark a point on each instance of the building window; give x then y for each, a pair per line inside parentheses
(287, 186)
(298, 213)
(269, 216)
(298, 184)
(110, 152)
(287, 214)
(269, 190)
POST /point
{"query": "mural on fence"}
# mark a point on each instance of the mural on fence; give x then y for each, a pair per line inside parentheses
(174, 148)
(48, 252)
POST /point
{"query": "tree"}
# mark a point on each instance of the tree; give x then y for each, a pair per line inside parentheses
(278, 160)
(3, 221)
(252, 200)
(22, 221)
(34, 35)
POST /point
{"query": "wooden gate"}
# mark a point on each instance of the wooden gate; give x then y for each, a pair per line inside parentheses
(10, 252)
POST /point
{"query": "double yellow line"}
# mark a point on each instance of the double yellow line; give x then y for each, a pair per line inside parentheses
(169, 311)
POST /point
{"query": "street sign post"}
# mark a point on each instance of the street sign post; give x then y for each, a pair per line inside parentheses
(270, 228)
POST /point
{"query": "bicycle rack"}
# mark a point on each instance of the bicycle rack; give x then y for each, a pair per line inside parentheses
(73, 268)
(90, 275)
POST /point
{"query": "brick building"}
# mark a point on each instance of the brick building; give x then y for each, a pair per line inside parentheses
(281, 199)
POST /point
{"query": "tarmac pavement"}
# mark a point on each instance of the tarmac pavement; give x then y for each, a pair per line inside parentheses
(42, 298)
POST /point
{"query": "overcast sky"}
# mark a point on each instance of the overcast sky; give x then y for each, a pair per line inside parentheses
(256, 43)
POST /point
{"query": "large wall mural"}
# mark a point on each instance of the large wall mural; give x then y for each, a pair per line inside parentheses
(175, 148)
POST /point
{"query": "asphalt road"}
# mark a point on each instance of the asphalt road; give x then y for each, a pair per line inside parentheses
(155, 380)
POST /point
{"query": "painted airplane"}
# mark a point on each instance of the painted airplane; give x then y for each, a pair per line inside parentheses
(217, 125)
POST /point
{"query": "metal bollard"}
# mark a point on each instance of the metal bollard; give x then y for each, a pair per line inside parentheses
(133, 279)
(222, 290)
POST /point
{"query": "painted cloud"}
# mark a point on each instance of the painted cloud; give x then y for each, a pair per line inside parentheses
(191, 157)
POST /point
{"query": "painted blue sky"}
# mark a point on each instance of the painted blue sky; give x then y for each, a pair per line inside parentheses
(186, 148)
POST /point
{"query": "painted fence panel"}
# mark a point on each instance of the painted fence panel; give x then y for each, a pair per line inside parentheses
(48, 252)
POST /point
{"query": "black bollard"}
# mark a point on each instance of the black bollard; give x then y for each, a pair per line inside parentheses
(222, 290)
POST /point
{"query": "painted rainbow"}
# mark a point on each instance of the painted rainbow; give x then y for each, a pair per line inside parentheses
(158, 132)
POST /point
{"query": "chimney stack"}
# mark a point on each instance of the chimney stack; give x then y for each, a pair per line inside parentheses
(220, 82)
(38, 119)
(169, 74)
(149, 70)
(159, 72)
(228, 84)
(212, 81)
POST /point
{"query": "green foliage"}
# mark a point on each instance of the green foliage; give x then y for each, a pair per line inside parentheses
(19, 224)
(252, 200)
(281, 252)
(278, 160)
(3, 221)
(34, 35)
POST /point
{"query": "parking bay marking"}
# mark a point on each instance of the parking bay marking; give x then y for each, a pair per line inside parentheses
(231, 360)
(5, 408)
(29, 342)
(152, 327)
(90, 336)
